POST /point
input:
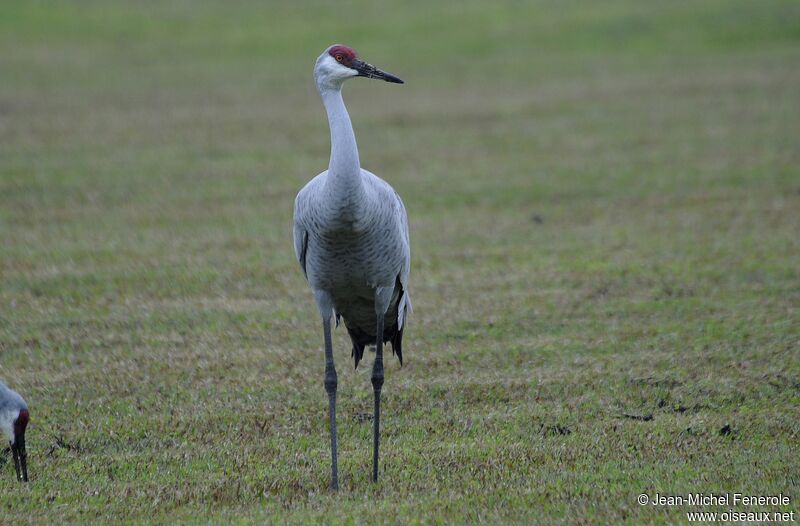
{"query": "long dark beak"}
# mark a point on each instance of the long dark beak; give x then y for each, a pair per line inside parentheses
(371, 72)
(20, 458)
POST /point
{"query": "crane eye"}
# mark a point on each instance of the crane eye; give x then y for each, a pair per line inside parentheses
(338, 58)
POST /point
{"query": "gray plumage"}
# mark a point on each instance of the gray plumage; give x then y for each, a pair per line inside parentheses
(351, 230)
(13, 422)
(351, 239)
(10, 400)
(348, 249)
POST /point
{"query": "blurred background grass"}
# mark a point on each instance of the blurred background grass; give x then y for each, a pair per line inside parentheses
(604, 208)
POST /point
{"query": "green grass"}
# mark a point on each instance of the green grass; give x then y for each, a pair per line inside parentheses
(605, 215)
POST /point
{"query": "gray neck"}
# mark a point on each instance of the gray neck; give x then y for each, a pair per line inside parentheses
(344, 171)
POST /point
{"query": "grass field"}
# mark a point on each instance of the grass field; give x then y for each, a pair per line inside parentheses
(605, 216)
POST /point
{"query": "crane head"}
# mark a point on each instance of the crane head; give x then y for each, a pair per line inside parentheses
(15, 431)
(339, 63)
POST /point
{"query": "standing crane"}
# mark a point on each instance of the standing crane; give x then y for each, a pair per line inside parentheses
(351, 239)
(13, 421)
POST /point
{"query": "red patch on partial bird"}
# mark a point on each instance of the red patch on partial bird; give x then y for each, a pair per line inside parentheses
(343, 54)
(20, 424)
(23, 418)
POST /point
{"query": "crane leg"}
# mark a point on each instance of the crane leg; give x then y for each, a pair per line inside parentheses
(15, 454)
(377, 384)
(330, 388)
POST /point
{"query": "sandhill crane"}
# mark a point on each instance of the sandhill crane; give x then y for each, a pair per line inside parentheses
(351, 239)
(13, 421)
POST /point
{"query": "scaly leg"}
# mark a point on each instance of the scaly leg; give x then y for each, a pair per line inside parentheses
(15, 454)
(377, 384)
(330, 387)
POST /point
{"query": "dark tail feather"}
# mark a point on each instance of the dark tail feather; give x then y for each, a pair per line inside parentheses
(397, 338)
(397, 345)
(361, 339)
(357, 353)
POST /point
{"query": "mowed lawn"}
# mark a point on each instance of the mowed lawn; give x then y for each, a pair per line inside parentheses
(605, 219)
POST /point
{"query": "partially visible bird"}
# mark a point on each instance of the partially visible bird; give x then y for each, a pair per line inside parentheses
(14, 418)
(351, 239)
